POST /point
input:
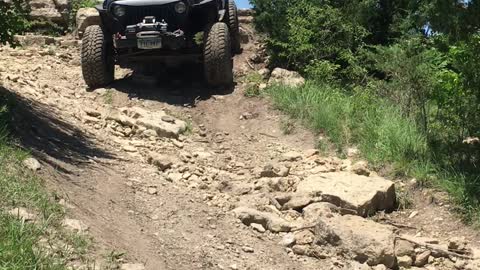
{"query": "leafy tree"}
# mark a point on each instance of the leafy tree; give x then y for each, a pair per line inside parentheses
(12, 19)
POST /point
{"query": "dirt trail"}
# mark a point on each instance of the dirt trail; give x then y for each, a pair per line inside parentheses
(181, 218)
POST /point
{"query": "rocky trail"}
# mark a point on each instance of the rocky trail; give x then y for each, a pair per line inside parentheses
(179, 176)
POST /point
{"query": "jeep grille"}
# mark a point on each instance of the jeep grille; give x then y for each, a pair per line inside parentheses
(165, 12)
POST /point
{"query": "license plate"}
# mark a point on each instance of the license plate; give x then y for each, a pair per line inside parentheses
(149, 43)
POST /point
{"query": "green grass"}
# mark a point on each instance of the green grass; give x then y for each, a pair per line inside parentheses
(253, 81)
(20, 246)
(392, 143)
(380, 131)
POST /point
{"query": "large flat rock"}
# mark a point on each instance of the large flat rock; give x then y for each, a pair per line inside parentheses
(158, 121)
(366, 195)
(364, 240)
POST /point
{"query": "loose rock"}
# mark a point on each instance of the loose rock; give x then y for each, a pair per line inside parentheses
(267, 220)
(361, 168)
(75, 225)
(22, 214)
(258, 227)
(274, 171)
(132, 266)
(366, 240)
(163, 162)
(366, 195)
(288, 240)
(422, 258)
(286, 77)
(405, 261)
(404, 248)
(32, 164)
(85, 18)
(291, 156)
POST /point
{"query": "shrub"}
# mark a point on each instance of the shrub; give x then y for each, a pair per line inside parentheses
(12, 20)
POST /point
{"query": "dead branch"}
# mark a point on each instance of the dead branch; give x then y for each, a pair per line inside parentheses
(443, 252)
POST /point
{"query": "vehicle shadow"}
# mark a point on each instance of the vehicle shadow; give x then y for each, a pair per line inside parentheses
(37, 128)
(182, 86)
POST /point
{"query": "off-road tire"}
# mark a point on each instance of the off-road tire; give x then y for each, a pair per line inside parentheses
(234, 27)
(217, 54)
(97, 57)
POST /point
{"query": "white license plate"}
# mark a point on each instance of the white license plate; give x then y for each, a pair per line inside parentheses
(149, 43)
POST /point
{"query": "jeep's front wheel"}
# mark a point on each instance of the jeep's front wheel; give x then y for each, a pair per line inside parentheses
(98, 64)
(217, 55)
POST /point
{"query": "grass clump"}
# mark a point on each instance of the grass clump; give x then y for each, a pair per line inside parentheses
(382, 134)
(38, 244)
(253, 81)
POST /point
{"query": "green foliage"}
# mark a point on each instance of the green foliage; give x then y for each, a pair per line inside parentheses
(253, 81)
(398, 78)
(306, 29)
(12, 19)
(18, 243)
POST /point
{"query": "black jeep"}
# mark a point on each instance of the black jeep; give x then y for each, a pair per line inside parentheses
(162, 32)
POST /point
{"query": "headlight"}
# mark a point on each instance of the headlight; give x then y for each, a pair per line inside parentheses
(119, 11)
(180, 7)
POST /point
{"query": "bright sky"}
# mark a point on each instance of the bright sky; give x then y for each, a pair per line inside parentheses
(243, 3)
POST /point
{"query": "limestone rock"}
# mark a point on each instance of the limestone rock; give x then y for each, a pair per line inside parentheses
(358, 266)
(369, 242)
(291, 156)
(297, 203)
(170, 129)
(45, 10)
(163, 162)
(85, 18)
(244, 35)
(405, 261)
(404, 248)
(32, 164)
(242, 12)
(268, 220)
(286, 77)
(314, 211)
(264, 72)
(22, 214)
(75, 225)
(422, 258)
(34, 40)
(174, 177)
(61, 4)
(361, 168)
(304, 237)
(366, 195)
(258, 227)
(132, 266)
(288, 240)
(274, 171)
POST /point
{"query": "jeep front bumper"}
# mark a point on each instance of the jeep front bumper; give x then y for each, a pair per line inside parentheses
(150, 35)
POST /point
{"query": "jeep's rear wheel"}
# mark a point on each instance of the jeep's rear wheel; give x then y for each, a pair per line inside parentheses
(218, 55)
(98, 64)
(234, 26)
